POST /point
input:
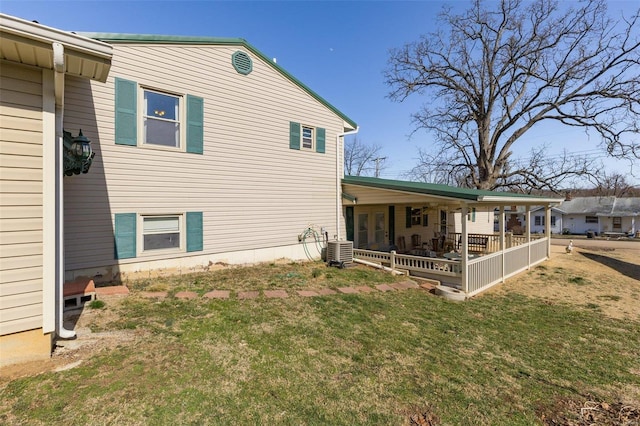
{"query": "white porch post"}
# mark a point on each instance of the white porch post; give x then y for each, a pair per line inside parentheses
(465, 249)
(527, 232)
(547, 228)
(502, 239)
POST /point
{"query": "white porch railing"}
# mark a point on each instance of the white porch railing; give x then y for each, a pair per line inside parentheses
(492, 241)
(411, 263)
(482, 272)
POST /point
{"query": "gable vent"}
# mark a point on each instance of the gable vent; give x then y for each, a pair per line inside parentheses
(242, 62)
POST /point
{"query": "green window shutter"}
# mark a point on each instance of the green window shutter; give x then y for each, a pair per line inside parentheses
(407, 213)
(320, 135)
(194, 231)
(125, 235)
(195, 126)
(294, 135)
(126, 124)
(473, 214)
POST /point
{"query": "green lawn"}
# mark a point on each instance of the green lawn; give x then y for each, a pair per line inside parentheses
(376, 358)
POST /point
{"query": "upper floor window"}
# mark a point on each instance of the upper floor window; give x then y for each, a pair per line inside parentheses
(307, 137)
(161, 119)
(153, 118)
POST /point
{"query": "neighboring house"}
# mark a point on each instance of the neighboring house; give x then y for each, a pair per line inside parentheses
(517, 223)
(34, 62)
(599, 215)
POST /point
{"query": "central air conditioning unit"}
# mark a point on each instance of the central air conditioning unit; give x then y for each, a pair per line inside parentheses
(339, 252)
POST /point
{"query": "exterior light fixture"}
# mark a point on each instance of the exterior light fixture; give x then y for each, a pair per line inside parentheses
(78, 154)
(81, 146)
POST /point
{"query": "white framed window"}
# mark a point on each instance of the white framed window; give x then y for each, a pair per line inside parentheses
(591, 219)
(161, 119)
(538, 221)
(416, 216)
(307, 137)
(161, 232)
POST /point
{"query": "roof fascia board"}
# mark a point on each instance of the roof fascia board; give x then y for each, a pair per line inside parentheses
(405, 192)
(114, 38)
(457, 194)
(43, 34)
(435, 193)
(519, 200)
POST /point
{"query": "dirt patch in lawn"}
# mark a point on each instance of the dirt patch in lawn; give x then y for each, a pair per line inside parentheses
(587, 413)
(606, 279)
(71, 353)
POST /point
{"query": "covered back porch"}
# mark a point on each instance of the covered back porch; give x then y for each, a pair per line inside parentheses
(441, 232)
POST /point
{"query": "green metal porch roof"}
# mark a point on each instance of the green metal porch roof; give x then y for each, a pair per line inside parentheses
(451, 192)
(115, 38)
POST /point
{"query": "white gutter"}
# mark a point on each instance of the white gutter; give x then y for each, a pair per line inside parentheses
(339, 178)
(43, 34)
(519, 200)
(58, 84)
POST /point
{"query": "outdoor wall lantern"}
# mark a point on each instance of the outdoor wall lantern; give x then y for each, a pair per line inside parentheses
(78, 154)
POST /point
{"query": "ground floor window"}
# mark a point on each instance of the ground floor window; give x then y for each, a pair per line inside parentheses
(160, 232)
(617, 223)
(540, 221)
(591, 219)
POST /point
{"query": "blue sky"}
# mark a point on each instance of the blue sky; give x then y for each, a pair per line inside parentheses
(337, 48)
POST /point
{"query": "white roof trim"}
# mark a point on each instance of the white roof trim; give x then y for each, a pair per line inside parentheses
(88, 58)
(519, 201)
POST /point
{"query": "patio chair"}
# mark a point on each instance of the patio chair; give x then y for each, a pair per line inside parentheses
(416, 241)
(402, 246)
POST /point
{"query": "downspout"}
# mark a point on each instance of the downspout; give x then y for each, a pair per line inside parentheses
(339, 179)
(58, 83)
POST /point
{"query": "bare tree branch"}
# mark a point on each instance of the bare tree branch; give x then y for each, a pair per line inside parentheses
(493, 74)
(361, 159)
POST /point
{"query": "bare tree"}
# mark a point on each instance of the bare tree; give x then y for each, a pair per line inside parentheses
(361, 159)
(614, 184)
(491, 75)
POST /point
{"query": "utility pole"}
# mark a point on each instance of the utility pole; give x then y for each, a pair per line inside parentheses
(377, 160)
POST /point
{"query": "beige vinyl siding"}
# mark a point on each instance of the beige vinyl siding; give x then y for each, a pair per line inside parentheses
(381, 196)
(254, 191)
(21, 198)
(482, 225)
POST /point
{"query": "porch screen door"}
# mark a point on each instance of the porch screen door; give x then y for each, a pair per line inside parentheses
(443, 222)
(363, 230)
(379, 228)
